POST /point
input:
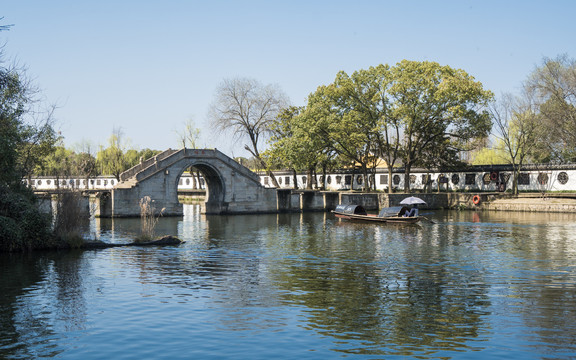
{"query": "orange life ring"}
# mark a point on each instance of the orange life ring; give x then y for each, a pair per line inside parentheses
(476, 199)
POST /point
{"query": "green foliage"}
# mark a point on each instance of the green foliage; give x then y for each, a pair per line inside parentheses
(490, 156)
(440, 107)
(24, 139)
(418, 112)
(24, 142)
(117, 157)
(22, 226)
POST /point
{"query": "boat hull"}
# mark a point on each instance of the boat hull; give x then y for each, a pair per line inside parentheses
(377, 219)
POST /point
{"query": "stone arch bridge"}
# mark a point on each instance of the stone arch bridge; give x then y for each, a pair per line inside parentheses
(231, 187)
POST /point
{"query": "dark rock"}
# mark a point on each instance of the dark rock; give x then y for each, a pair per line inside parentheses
(165, 240)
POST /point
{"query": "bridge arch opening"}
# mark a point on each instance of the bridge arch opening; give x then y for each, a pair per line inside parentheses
(205, 184)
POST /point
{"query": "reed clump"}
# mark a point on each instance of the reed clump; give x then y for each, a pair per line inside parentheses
(148, 219)
(70, 218)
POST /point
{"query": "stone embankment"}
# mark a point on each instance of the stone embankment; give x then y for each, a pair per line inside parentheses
(531, 204)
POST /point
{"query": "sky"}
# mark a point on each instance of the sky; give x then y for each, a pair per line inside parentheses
(147, 67)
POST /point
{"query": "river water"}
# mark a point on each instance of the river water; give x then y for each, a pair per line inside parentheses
(301, 286)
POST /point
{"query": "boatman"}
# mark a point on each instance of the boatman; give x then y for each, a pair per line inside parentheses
(413, 212)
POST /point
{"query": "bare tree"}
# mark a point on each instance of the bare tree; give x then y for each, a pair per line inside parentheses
(554, 87)
(247, 109)
(517, 127)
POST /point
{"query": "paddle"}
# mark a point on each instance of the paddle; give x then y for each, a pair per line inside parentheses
(431, 221)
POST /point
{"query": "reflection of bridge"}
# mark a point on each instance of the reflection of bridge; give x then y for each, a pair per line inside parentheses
(231, 187)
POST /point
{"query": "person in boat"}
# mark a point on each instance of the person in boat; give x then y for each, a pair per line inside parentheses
(412, 212)
(403, 211)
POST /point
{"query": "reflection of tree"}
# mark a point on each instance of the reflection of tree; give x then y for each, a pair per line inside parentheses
(530, 259)
(39, 293)
(423, 300)
(19, 271)
(548, 291)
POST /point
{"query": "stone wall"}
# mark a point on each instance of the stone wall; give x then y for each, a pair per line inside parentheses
(369, 201)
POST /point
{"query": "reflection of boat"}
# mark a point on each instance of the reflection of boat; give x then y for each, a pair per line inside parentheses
(386, 215)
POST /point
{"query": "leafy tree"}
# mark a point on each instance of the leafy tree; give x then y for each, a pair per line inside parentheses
(58, 163)
(338, 128)
(26, 135)
(85, 161)
(111, 160)
(293, 146)
(418, 112)
(365, 95)
(439, 107)
(247, 109)
(26, 132)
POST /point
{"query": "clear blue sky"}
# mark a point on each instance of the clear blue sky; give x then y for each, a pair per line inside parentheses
(148, 66)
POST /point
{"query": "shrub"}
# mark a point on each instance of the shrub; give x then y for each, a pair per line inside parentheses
(10, 234)
(22, 225)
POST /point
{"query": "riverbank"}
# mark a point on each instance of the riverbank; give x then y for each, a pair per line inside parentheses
(495, 201)
(309, 200)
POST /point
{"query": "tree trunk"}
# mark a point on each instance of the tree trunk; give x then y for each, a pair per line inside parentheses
(365, 183)
(309, 174)
(407, 168)
(516, 174)
(295, 179)
(314, 178)
(273, 178)
(324, 171)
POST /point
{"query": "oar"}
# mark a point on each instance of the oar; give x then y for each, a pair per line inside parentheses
(431, 221)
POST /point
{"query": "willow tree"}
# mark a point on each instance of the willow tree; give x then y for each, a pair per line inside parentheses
(247, 109)
(112, 160)
(439, 107)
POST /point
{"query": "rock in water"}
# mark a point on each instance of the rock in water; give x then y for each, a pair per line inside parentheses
(166, 240)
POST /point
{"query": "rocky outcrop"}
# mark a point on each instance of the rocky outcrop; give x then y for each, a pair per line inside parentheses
(166, 240)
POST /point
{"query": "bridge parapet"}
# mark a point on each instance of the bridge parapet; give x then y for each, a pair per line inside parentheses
(145, 164)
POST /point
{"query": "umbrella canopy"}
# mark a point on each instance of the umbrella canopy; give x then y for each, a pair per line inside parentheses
(412, 200)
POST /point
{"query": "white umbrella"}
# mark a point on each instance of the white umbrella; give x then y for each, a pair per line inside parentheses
(412, 200)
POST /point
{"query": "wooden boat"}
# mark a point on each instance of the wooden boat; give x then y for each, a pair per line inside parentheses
(386, 215)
